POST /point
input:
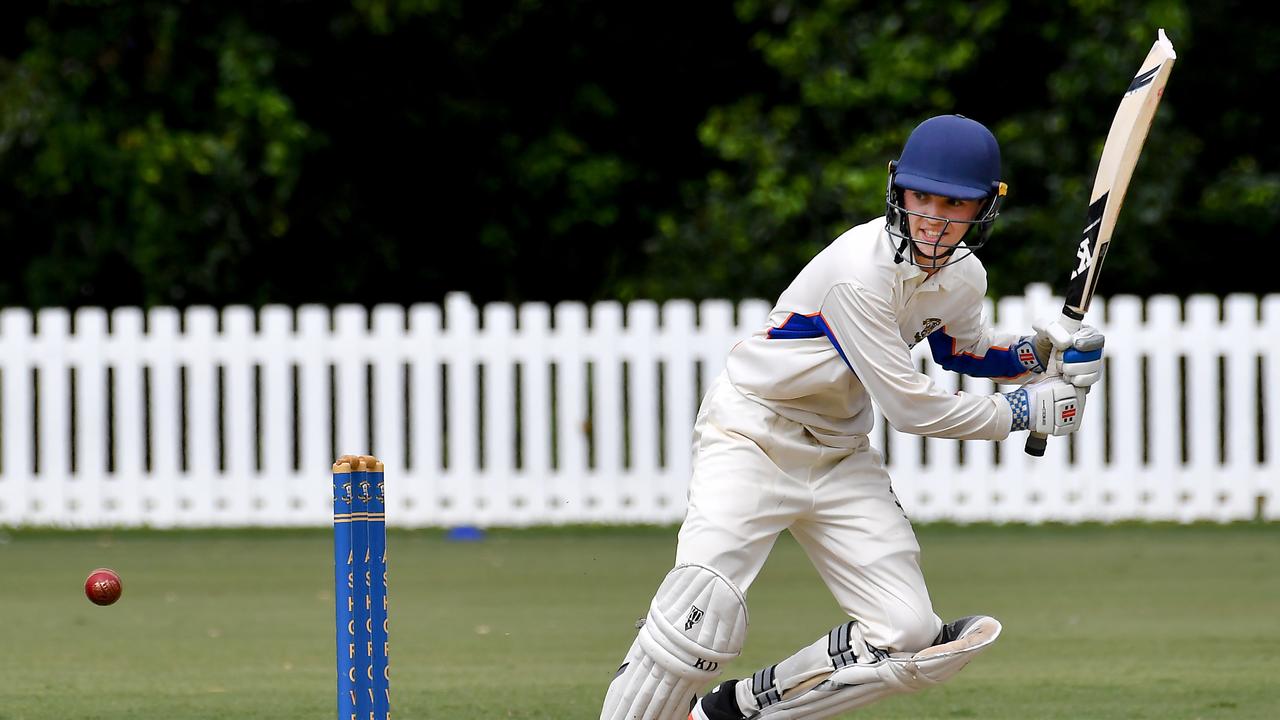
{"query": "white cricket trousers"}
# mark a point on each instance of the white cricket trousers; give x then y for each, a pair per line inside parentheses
(756, 474)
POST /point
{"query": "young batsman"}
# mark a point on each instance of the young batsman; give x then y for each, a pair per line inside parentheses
(781, 443)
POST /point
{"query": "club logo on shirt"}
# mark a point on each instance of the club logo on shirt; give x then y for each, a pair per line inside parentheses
(930, 324)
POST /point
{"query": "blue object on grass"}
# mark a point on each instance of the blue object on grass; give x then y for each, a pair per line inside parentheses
(465, 533)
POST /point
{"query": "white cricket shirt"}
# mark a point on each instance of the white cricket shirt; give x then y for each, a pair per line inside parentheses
(842, 334)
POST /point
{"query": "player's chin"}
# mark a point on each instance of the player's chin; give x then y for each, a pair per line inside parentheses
(928, 253)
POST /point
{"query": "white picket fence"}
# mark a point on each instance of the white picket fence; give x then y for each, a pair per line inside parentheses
(534, 414)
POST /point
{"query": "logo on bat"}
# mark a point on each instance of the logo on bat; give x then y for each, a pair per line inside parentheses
(1082, 254)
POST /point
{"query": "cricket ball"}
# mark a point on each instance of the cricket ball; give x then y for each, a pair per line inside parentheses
(102, 587)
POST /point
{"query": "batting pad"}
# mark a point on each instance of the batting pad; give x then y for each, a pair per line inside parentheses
(858, 685)
(696, 624)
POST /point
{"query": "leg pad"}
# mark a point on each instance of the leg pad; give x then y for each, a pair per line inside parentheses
(696, 624)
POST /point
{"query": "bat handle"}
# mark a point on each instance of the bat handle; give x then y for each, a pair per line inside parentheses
(1035, 444)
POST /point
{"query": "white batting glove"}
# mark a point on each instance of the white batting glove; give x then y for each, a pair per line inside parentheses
(1076, 356)
(1051, 406)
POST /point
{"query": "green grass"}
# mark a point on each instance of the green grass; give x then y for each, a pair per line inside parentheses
(1100, 622)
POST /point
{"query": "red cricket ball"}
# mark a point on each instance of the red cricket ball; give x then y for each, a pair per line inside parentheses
(103, 587)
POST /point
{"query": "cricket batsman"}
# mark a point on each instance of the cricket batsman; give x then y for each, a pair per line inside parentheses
(781, 443)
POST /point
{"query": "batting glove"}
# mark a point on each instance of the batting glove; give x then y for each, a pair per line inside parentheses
(1051, 406)
(1076, 356)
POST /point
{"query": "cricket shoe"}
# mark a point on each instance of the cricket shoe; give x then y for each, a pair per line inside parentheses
(719, 704)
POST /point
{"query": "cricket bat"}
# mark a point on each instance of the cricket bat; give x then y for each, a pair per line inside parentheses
(1119, 156)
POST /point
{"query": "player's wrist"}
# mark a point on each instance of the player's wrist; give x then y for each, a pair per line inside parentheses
(1004, 417)
(1019, 404)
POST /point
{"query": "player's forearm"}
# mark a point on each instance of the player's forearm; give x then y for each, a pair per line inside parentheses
(922, 408)
(1006, 358)
(862, 328)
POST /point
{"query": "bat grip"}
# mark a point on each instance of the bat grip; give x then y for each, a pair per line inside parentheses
(1036, 443)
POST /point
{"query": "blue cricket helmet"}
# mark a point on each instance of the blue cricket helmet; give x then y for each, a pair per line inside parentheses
(952, 156)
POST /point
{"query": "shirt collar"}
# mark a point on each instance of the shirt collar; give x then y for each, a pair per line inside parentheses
(944, 279)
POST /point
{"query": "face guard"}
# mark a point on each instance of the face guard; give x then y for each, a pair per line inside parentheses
(906, 249)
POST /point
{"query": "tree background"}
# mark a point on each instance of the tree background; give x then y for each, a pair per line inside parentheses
(393, 150)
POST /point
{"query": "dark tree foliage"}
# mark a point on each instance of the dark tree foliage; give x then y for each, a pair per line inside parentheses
(161, 152)
(168, 152)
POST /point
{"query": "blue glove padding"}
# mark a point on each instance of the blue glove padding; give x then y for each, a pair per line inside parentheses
(1082, 362)
(1076, 356)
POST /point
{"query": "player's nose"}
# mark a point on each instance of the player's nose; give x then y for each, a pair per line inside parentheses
(938, 207)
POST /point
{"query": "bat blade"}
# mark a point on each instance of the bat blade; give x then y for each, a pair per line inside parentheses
(1120, 153)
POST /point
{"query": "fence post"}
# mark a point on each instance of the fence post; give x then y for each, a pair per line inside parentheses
(646, 476)
(1268, 488)
(462, 477)
(497, 341)
(1126, 472)
(537, 477)
(577, 500)
(1164, 350)
(57, 494)
(167, 423)
(608, 476)
(88, 356)
(316, 449)
(421, 492)
(280, 489)
(680, 404)
(204, 493)
(1202, 471)
(238, 474)
(388, 348)
(131, 489)
(1241, 423)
